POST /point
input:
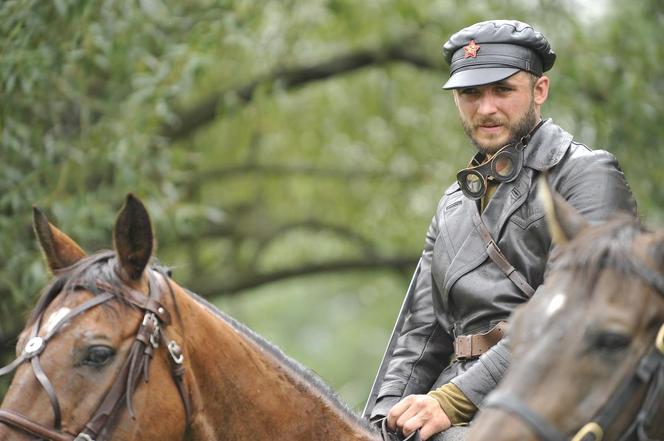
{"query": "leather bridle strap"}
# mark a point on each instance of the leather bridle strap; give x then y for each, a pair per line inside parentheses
(83, 307)
(24, 424)
(49, 389)
(508, 402)
(114, 397)
(137, 363)
(34, 346)
(644, 374)
(13, 365)
(74, 312)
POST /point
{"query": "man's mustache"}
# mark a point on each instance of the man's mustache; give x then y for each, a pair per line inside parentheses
(489, 122)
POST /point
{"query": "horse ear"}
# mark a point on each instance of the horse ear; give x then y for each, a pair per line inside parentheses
(59, 249)
(564, 221)
(132, 238)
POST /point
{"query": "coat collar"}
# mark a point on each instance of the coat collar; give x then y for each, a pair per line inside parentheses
(547, 146)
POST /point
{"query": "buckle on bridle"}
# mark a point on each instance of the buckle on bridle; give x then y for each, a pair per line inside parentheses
(83, 437)
(659, 341)
(151, 318)
(176, 352)
(591, 428)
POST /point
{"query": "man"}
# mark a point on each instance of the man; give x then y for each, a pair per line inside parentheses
(487, 247)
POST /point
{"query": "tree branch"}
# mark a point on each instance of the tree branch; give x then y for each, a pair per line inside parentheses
(291, 169)
(222, 287)
(344, 232)
(192, 119)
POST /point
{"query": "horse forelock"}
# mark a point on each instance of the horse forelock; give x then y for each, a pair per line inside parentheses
(607, 246)
(84, 275)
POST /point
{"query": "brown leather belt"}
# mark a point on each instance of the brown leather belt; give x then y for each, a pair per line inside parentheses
(468, 347)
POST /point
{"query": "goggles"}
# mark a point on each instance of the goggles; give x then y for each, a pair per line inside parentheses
(504, 166)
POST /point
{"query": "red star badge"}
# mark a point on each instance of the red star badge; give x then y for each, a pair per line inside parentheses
(471, 49)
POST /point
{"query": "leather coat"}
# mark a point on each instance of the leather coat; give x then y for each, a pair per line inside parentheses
(461, 291)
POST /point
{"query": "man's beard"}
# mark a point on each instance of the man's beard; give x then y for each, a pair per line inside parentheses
(517, 131)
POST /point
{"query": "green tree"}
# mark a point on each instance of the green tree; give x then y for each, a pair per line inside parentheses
(289, 151)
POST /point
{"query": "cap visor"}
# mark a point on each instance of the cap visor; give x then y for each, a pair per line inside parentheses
(478, 77)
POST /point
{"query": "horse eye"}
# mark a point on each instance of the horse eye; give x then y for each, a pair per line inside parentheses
(611, 341)
(97, 356)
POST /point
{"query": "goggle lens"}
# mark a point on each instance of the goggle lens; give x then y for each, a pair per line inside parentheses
(503, 166)
(473, 184)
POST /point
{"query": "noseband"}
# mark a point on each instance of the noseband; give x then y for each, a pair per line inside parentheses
(649, 372)
(148, 338)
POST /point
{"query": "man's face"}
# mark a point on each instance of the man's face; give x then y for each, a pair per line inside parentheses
(500, 113)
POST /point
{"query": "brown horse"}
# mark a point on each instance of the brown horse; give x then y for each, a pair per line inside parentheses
(588, 349)
(114, 320)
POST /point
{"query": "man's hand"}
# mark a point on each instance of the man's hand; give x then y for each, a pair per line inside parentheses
(418, 412)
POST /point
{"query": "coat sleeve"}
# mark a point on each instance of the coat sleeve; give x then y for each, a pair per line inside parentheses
(593, 183)
(423, 348)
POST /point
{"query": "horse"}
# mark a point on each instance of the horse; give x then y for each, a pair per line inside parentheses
(116, 349)
(588, 348)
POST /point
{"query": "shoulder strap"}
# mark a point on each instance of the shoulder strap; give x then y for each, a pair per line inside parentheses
(499, 258)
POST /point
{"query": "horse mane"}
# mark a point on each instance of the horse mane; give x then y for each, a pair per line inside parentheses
(306, 374)
(602, 246)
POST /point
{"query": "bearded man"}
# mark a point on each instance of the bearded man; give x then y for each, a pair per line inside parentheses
(487, 248)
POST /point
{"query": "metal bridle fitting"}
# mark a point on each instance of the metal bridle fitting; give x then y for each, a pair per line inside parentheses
(176, 352)
(659, 340)
(591, 428)
(34, 347)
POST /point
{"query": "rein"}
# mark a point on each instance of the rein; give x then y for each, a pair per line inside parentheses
(147, 340)
(649, 371)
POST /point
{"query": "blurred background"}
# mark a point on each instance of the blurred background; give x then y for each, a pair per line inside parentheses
(291, 153)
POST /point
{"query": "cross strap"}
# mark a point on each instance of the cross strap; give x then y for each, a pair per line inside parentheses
(499, 258)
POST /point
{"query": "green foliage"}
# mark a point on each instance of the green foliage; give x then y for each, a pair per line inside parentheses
(344, 169)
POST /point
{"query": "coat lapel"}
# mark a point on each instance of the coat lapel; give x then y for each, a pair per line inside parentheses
(472, 253)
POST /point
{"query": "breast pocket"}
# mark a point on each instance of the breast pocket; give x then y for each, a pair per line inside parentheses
(528, 215)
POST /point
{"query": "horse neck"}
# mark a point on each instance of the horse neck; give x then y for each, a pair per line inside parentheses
(243, 391)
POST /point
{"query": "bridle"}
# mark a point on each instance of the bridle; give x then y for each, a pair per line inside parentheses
(649, 372)
(136, 367)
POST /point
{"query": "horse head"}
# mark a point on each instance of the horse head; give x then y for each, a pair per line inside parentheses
(90, 342)
(588, 348)
(111, 321)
